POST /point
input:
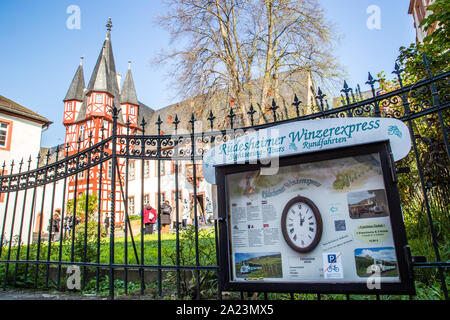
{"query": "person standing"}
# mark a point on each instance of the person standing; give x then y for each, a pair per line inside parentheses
(66, 226)
(149, 217)
(106, 223)
(191, 211)
(56, 224)
(200, 214)
(209, 211)
(166, 211)
(53, 226)
(186, 213)
(179, 214)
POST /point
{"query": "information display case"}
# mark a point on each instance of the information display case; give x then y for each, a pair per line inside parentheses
(326, 222)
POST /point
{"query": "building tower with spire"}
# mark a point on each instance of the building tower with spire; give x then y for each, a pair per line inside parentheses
(88, 119)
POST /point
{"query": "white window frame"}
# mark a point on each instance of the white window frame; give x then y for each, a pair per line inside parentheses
(4, 131)
(131, 205)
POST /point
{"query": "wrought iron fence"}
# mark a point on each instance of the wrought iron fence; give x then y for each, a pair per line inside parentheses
(38, 258)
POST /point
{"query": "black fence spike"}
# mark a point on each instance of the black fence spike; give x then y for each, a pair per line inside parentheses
(371, 80)
(47, 156)
(319, 97)
(251, 112)
(427, 64)
(297, 103)
(231, 115)
(29, 163)
(346, 90)
(274, 108)
(143, 124)
(211, 119)
(176, 122)
(192, 119)
(397, 71)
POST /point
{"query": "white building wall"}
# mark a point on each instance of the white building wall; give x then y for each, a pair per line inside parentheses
(167, 185)
(25, 142)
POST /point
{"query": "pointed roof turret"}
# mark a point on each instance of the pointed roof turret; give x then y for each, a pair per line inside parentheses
(104, 76)
(128, 93)
(76, 89)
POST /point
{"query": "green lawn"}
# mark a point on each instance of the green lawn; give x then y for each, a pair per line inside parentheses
(150, 252)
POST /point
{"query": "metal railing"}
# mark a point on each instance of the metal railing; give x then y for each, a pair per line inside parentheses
(36, 259)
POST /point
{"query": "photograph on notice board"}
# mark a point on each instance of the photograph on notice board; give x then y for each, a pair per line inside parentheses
(367, 204)
(258, 265)
(282, 225)
(376, 260)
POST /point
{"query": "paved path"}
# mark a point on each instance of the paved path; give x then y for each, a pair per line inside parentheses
(26, 294)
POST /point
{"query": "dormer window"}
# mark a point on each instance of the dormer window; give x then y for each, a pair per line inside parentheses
(98, 98)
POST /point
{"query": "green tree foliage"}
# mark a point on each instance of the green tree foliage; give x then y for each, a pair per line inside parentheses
(81, 206)
(190, 279)
(85, 240)
(417, 62)
(436, 45)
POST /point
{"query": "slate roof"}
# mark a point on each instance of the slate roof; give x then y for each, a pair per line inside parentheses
(128, 92)
(10, 106)
(76, 89)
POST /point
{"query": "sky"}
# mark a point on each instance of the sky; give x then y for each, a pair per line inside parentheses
(41, 51)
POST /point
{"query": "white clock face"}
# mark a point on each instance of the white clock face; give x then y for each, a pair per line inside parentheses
(301, 224)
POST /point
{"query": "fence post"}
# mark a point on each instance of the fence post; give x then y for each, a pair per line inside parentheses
(158, 123)
(141, 270)
(115, 113)
(194, 185)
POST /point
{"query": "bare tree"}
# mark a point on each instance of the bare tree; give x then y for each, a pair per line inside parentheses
(246, 49)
